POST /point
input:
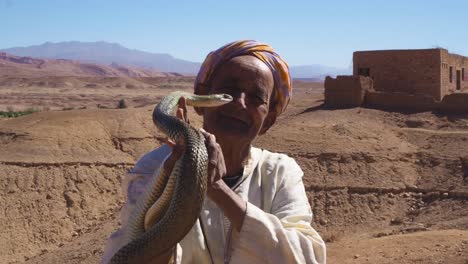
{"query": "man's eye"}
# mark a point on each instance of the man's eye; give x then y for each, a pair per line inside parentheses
(260, 99)
(218, 89)
(223, 89)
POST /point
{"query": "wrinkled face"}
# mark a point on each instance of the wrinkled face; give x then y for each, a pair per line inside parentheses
(250, 82)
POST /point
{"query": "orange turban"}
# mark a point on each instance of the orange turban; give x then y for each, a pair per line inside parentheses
(264, 52)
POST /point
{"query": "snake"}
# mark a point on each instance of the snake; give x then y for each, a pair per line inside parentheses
(172, 200)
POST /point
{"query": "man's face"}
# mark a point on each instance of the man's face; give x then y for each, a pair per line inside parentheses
(250, 82)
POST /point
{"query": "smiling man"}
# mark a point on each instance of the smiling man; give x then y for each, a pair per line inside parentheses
(257, 210)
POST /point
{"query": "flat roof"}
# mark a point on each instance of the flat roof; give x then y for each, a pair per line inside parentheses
(409, 50)
(398, 50)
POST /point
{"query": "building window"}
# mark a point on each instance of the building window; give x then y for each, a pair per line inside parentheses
(451, 73)
(463, 74)
(364, 71)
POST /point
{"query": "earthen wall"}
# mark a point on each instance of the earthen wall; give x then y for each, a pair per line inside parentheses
(346, 91)
(400, 101)
(415, 72)
(454, 103)
(452, 63)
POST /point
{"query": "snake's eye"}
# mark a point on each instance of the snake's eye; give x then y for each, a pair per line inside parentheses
(227, 97)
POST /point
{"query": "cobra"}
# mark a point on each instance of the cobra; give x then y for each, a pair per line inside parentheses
(171, 202)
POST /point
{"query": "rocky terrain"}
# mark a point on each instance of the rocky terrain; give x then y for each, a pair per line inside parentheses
(385, 187)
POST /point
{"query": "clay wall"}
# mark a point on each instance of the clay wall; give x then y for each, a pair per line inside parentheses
(346, 91)
(400, 101)
(454, 103)
(414, 72)
(456, 65)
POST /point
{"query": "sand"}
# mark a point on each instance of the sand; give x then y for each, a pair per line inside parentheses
(385, 187)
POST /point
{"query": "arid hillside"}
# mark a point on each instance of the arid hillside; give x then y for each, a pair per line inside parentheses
(385, 187)
(11, 65)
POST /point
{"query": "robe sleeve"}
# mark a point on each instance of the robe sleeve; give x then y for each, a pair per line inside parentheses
(284, 234)
(133, 184)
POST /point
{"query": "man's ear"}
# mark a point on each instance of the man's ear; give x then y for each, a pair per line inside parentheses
(269, 121)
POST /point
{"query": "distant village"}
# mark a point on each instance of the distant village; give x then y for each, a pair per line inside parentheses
(407, 80)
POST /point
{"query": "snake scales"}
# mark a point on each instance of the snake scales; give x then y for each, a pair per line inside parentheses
(171, 203)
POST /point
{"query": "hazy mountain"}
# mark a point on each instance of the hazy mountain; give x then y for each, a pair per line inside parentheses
(317, 71)
(106, 53)
(112, 53)
(11, 65)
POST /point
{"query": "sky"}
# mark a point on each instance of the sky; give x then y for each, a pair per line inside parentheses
(302, 32)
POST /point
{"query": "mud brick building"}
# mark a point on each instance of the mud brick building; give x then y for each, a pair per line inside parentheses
(346, 91)
(427, 72)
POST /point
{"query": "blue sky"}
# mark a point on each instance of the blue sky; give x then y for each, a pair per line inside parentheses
(303, 32)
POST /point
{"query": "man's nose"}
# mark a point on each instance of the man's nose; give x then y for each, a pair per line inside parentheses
(240, 100)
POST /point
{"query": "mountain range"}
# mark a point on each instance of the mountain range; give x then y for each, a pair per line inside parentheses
(115, 54)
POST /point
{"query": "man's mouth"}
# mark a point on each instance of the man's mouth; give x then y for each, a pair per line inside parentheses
(234, 118)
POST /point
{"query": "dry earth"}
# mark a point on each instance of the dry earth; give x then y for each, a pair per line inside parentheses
(385, 187)
(68, 93)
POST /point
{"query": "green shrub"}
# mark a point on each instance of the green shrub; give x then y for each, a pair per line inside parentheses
(12, 114)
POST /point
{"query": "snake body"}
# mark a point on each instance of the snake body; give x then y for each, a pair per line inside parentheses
(172, 201)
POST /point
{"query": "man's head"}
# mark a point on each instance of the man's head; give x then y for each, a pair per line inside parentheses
(256, 77)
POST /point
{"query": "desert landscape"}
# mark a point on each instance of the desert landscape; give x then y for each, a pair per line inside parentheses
(385, 187)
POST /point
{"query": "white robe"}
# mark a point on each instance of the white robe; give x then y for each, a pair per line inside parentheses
(276, 227)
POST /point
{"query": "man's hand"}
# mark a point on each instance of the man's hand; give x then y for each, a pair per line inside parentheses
(226, 199)
(216, 165)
